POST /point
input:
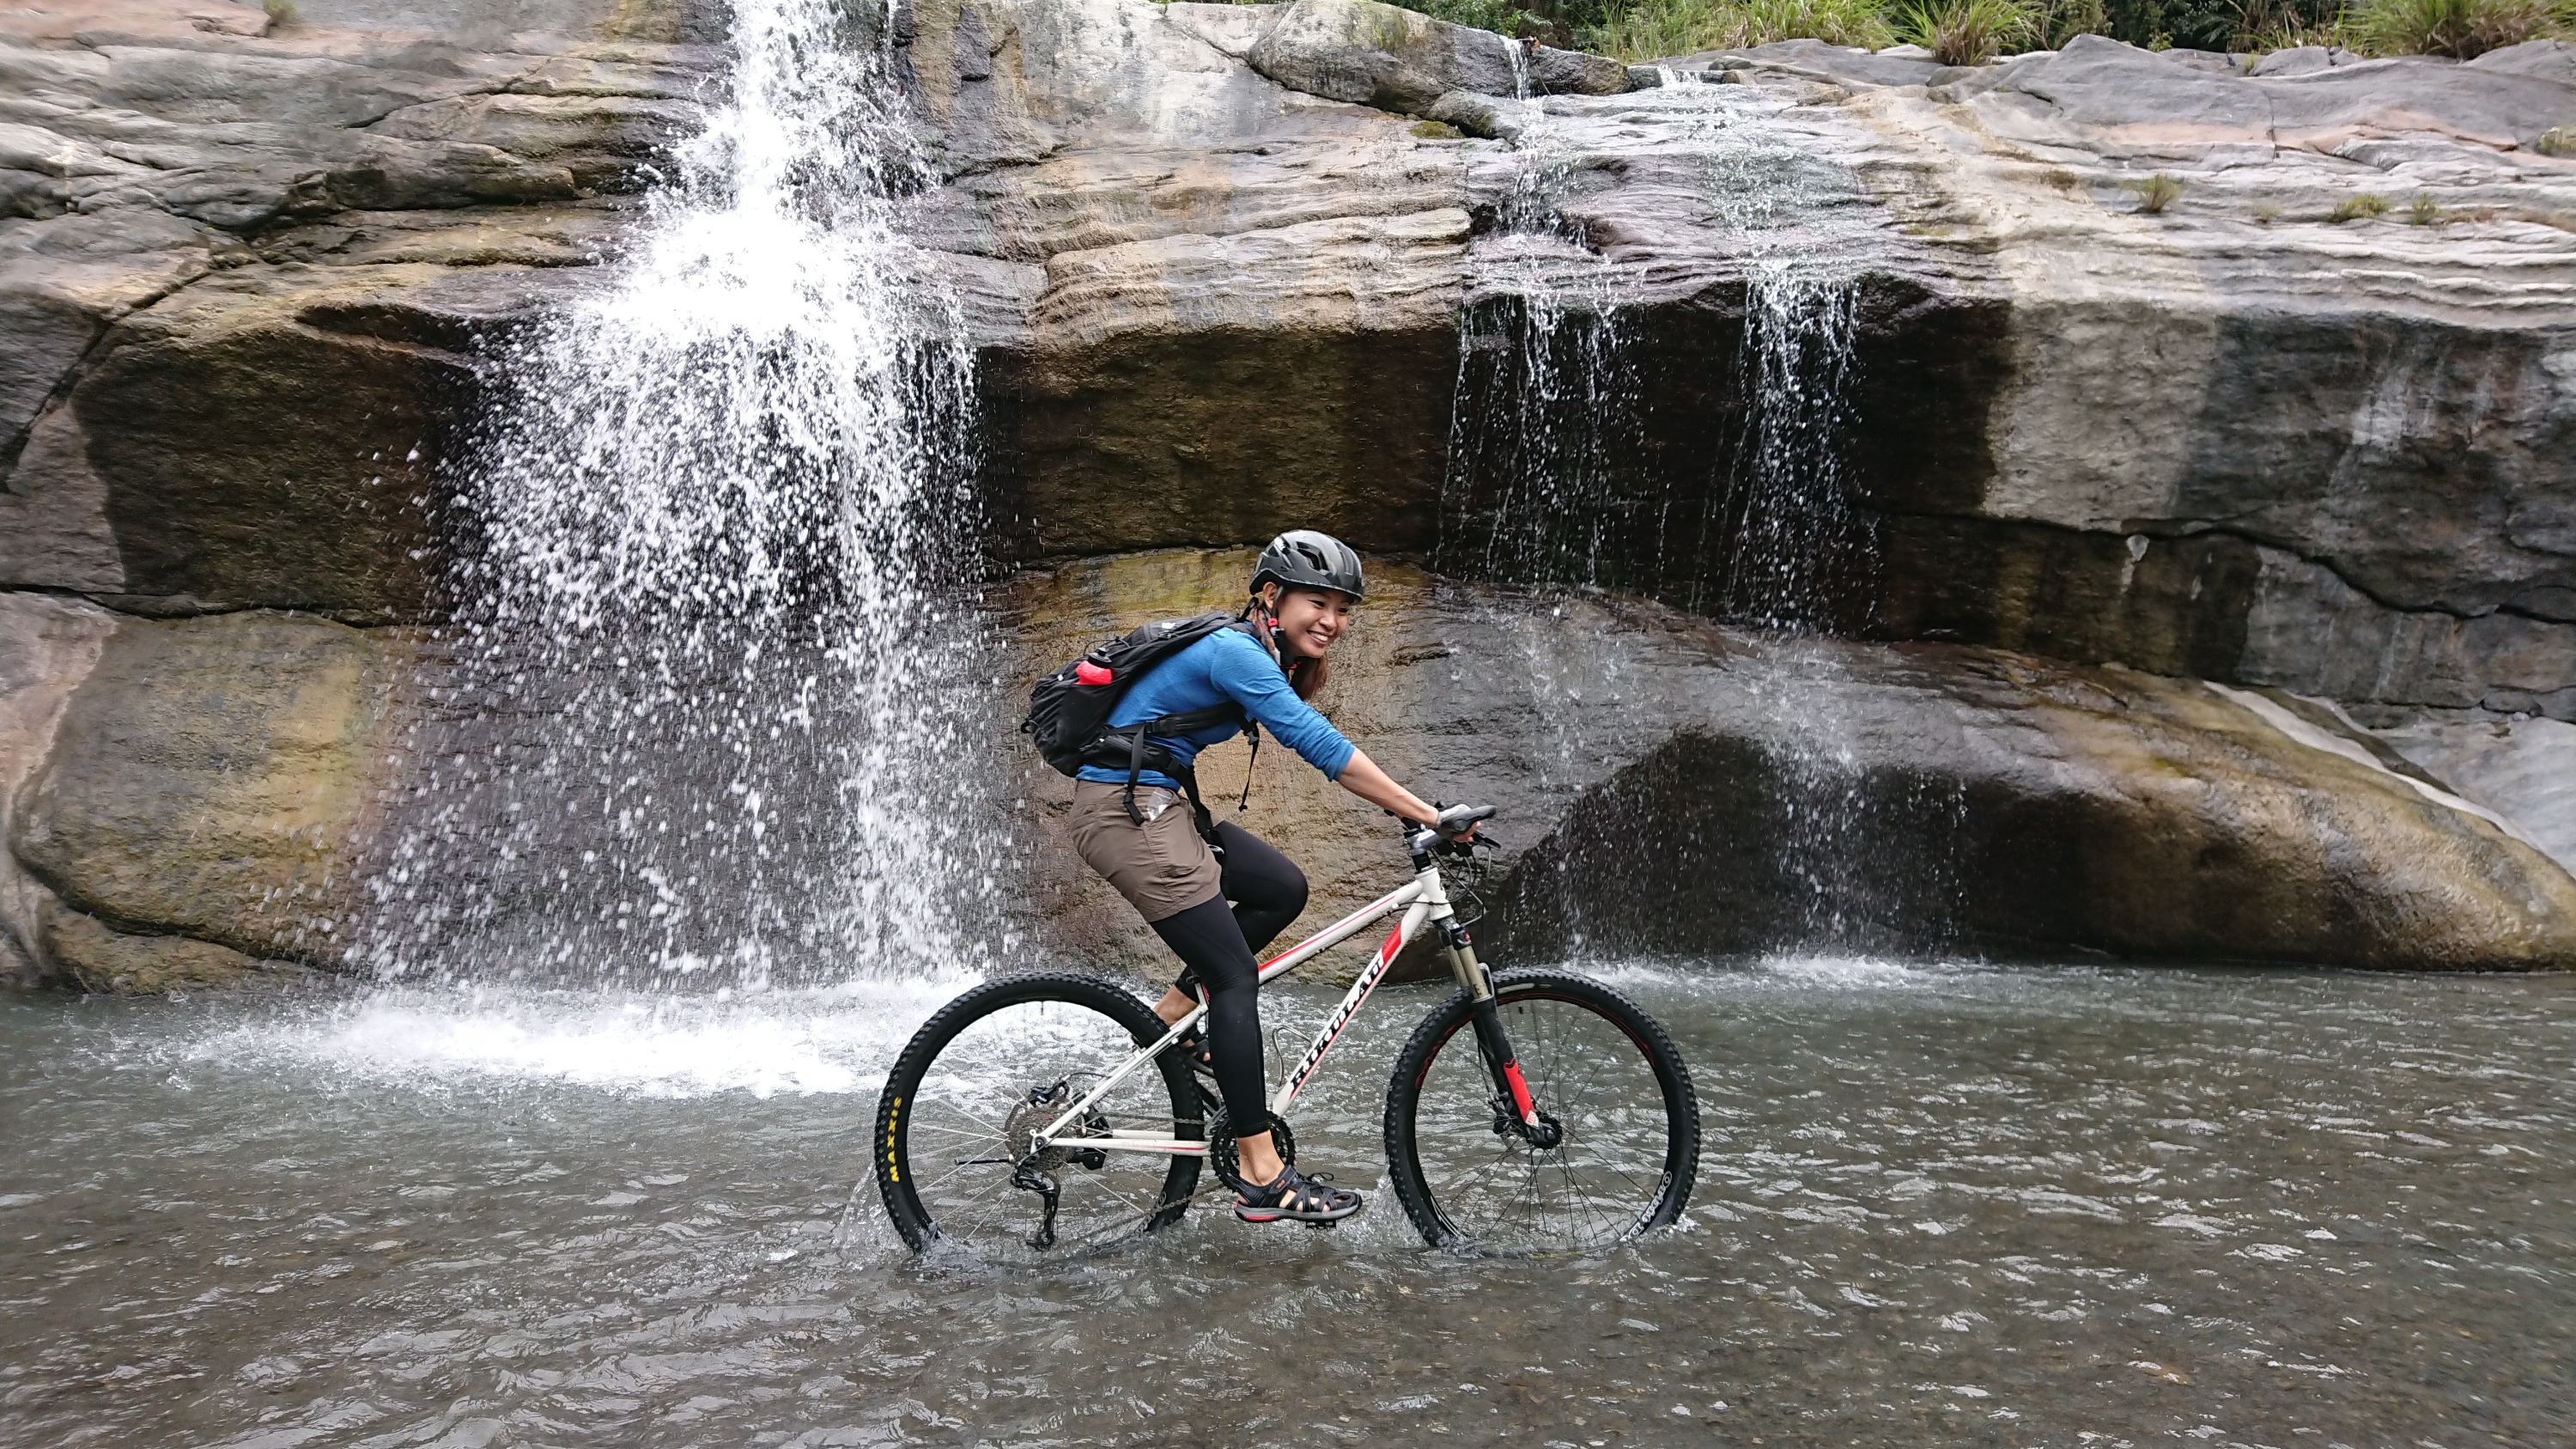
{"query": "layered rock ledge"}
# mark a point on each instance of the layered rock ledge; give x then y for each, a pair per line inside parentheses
(252, 275)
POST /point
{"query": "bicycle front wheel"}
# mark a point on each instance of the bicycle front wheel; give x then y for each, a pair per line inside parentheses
(1004, 1060)
(1602, 1069)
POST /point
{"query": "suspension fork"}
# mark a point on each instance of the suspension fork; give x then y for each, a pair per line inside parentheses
(1495, 1045)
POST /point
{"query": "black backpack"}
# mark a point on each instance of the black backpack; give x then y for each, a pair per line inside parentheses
(1069, 710)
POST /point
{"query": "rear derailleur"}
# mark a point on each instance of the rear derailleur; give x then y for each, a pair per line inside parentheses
(1035, 1170)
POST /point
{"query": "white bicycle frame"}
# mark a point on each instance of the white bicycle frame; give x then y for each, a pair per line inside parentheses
(1423, 900)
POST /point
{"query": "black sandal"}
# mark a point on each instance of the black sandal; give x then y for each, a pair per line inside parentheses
(1294, 1197)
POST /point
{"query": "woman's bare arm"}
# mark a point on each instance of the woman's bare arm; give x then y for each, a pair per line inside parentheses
(1363, 778)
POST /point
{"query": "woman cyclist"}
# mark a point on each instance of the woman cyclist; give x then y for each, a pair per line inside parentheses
(1303, 589)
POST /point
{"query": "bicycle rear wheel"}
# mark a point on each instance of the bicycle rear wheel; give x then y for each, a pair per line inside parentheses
(1007, 1058)
(1594, 1062)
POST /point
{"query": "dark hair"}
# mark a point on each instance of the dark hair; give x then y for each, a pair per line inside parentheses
(1306, 676)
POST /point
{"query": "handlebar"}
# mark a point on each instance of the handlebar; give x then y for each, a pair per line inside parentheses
(1441, 834)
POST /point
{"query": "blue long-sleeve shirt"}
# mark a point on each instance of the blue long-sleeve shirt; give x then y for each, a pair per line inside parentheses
(1226, 665)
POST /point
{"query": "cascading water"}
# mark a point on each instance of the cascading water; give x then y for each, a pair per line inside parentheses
(1791, 535)
(1554, 481)
(707, 708)
(1543, 386)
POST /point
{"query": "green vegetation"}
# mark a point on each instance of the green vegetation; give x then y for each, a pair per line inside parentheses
(1965, 32)
(1968, 32)
(2155, 193)
(2422, 211)
(280, 12)
(1499, 16)
(1655, 28)
(2460, 29)
(2364, 207)
(2556, 141)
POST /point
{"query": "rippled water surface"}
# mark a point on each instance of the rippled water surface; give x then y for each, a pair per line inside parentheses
(1965, 1205)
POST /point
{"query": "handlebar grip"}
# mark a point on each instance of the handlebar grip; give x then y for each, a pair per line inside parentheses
(1458, 817)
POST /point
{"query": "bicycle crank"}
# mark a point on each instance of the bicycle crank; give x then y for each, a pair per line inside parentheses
(1225, 1157)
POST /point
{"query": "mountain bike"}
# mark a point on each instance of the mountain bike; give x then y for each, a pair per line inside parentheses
(1532, 1112)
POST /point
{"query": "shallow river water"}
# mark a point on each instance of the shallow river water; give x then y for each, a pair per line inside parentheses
(1958, 1205)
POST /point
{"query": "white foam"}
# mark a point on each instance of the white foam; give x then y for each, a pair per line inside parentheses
(838, 1041)
(1853, 971)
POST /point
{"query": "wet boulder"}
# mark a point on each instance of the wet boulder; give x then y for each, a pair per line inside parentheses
(210, 778)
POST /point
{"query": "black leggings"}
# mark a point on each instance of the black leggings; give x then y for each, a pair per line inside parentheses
(1216, 947)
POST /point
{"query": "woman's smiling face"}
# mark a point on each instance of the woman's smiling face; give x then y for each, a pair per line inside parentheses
(1311, 619)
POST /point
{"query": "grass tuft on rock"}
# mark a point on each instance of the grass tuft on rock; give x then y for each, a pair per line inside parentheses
(2367, 206)
(2155, 193)
(2556, 141)
(1653, 29)
(2422, 211)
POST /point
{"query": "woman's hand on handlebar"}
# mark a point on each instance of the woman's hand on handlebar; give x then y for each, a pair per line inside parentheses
(1458, 822)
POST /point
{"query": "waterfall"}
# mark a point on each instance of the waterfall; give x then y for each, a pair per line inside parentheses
(1563, 473)
(705, 710)
(1792, 549)
(1578, 378)
(1544, 394)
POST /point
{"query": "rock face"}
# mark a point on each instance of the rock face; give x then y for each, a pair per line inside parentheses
(48, 645)
(210, 776)
(2237, 438)
(1402, 60)
(245, 266)
(1224, 277)
(250, 272)
(1669, 784)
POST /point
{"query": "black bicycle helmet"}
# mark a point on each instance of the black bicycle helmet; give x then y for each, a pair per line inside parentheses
(1301, 558)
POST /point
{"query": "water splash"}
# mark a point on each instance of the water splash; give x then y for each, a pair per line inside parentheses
(705, 713)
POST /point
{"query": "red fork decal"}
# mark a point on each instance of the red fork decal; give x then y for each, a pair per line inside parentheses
(1520, 1093)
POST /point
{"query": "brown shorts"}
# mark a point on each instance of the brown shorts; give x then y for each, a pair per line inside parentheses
(1161, 866)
